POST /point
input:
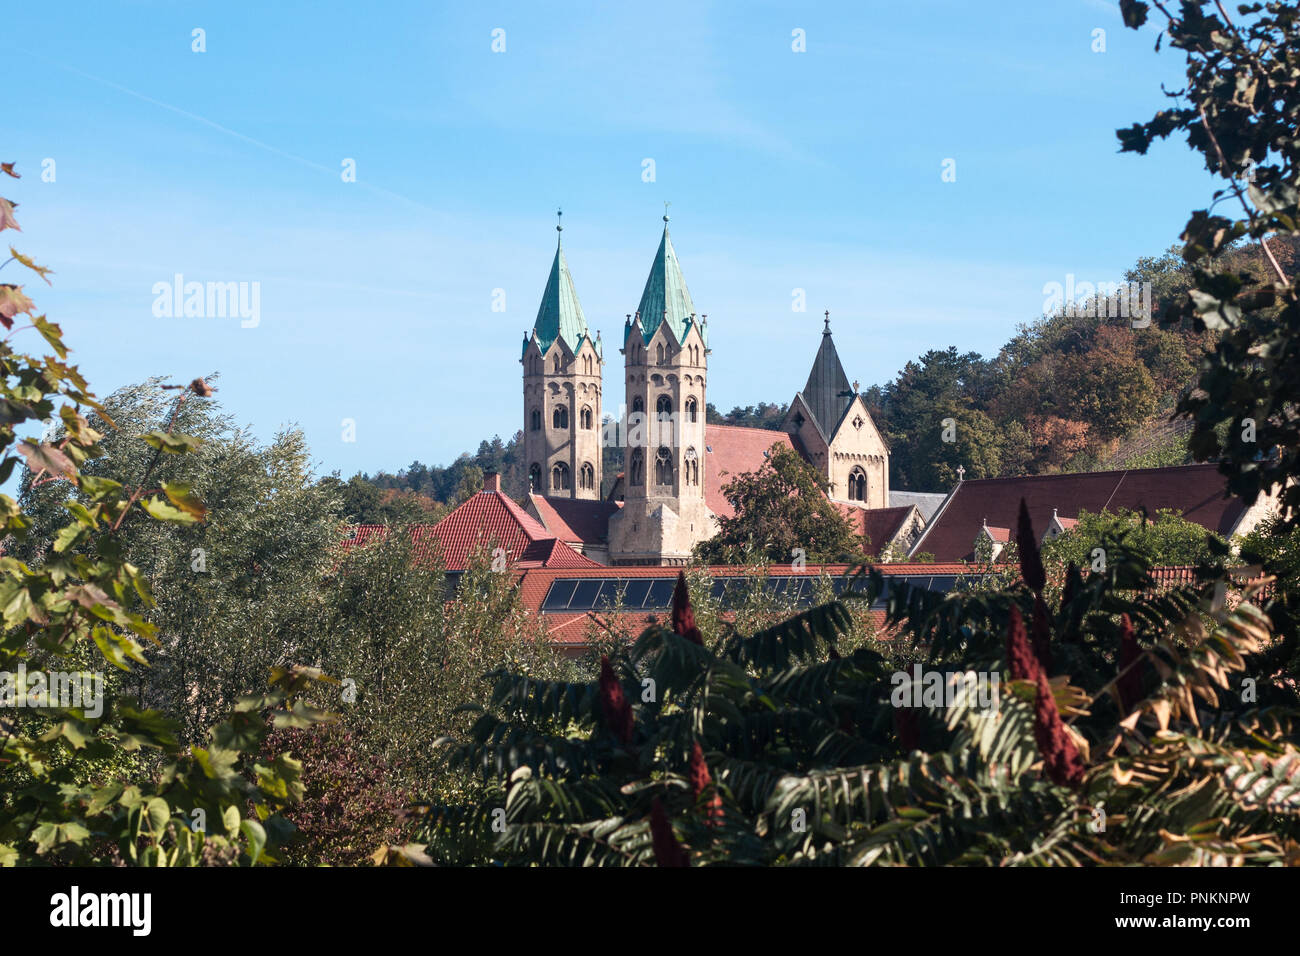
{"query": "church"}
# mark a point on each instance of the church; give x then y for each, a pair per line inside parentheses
(670, 495)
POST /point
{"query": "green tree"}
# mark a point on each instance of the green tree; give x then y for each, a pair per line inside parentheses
(1165, 538)
(86, 775)
(780, 509)
(1238, 112)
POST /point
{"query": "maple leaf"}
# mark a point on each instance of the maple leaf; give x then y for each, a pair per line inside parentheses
(13, 301)
(46, 458)
(7, 220)
(40, 270)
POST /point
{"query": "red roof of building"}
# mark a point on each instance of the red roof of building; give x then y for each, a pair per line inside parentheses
(1195, 491)
(487, 519)
(875, 526)
(731, 450)
(574, 520)
(569, 628)
(491, 518)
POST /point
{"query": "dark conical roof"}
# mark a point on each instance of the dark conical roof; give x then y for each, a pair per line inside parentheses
(827, 393)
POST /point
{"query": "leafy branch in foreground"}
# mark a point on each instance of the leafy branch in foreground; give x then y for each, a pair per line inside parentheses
(85, 779)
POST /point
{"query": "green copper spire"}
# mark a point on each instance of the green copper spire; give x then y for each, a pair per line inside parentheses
(560, 314)
(666, 297)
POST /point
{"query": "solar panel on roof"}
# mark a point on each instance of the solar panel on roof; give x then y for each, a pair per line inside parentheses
(584, 596)
(661, 593)
(637, 589)
(557, 598)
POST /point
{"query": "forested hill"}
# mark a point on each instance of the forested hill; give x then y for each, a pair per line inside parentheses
(1067, 393)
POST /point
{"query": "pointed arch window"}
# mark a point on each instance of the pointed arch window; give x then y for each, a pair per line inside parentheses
(555, 363)
(638, 405)
(857, 485)
(535, 420)
(560, 417)
(560, 477)
(692, 410)
(664, 407)
(659, 353)
(587, 476)
(535, 477)
(636, 470)
(663, 467)
(585, 418)
(691, 467)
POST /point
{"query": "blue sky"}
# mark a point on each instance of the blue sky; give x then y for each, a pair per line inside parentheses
(818, 170)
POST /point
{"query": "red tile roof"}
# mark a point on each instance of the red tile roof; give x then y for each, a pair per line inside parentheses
(732, 450)
(574, 520)
(1195, 491)
(492, 518)
(876, 526)
(489, 518)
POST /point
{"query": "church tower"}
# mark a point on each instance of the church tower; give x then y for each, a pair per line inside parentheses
(665, 349)
(834, 426)
(562, 384)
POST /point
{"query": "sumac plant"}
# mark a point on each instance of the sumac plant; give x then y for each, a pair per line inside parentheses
(1123, 733)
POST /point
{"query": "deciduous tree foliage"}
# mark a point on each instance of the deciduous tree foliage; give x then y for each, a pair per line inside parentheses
(780, 507)
(83, 783)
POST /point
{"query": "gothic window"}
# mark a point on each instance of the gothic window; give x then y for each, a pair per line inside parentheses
(587, 477)
(692, 410)
(691, 468)
(560, 477)
(636, 471)
(638, 405)
(536, 420)
(560, 417)
(535, 477)
(585, 418)
(555, 363)
(660, 353)
(857, 485)
(664, 407)
(663, 467)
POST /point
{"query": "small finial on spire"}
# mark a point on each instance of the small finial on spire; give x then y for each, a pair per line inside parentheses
(828, 321)
(961, 472)
(855, 386)
(666, 205)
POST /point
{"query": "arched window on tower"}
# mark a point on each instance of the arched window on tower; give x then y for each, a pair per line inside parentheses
(555, 362)
(535, 478)
(560, 417)
(587, 477)
(692, 410)
(638, 405)
(585, 418)
(560, 477)
(663, 467)
(691, 467)
(535, 420)
(636, 469)
(857, 485)
(660, 353)
(663, 407)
